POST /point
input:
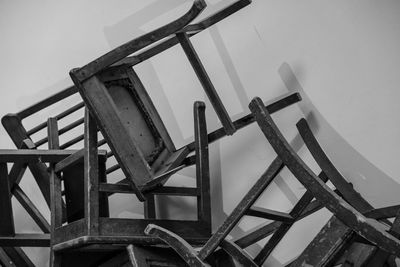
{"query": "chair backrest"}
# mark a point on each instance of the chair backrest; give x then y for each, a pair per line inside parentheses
(124, 113)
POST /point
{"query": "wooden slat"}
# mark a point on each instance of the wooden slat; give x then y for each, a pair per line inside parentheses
(71, 142)
(136, 44)
(202, 164)
(34, 156)
(61, 131)
(56, 205)
(47, 102)
(206, 83)
(165, 190)
(283, 229)
(16, 173)
(217, 16)
(113, 168)
(266, 230)
(383, 213)
(6, 212)
(58, 117)
(347, 191)
(192, 30)
(269, 214)
(25, 240)
(296, 212)
(247, 201)
(160, 179)
(91, 177)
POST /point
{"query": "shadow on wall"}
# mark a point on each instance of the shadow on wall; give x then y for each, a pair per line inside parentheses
(370, 181)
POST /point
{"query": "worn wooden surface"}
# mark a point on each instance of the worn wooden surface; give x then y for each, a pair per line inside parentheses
(6, 211)
(202, 165)
(177, 243)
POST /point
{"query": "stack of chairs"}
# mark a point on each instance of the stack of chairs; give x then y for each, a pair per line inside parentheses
(108, 116)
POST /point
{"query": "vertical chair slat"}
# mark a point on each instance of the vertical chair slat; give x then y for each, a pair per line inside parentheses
(91, 176)
(55, 181)
(6, 212)
(202, 164)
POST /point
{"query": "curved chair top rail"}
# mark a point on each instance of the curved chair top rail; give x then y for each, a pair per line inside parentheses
(136, 44)
(370, 229)
(347, 191)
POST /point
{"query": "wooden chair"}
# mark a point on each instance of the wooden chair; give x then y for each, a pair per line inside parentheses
(351, 196)
(10, 242)
(369, 229)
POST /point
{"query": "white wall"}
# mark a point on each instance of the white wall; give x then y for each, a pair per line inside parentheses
(344, 54)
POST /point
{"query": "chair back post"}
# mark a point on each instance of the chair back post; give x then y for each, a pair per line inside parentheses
(6, 212)
(56, 211)
(202, 165)
(91, 176)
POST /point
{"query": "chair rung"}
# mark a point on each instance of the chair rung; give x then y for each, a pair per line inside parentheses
(115, 188)
(269, 214)
(165, 190)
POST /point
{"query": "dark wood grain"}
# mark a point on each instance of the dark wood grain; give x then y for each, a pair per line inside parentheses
(25, 240)
(6, 211)
(269, 214)
(268, 229)
(202, 164)
(91, 176)
(177, 243)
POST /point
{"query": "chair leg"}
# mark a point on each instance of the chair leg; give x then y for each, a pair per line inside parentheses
(202, 165)
(177, 243)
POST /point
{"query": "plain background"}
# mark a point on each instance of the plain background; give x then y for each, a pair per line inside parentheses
(343, 53)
